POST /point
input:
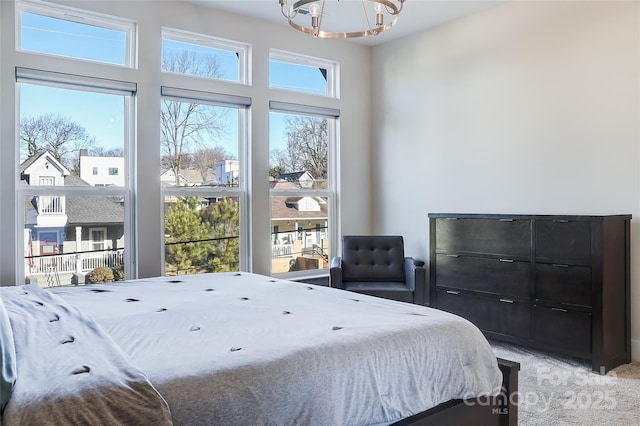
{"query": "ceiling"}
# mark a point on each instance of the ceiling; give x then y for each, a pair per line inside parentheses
(416, 16)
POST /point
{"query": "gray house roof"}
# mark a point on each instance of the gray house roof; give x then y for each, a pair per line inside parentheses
(94, 209)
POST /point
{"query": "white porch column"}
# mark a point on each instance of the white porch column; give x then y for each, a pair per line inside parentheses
(78, 249)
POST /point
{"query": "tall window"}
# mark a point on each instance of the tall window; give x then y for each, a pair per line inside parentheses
(59, 124)
(302, 172)
(203, 139)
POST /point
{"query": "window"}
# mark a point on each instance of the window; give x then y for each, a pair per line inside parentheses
(98, 238)
(57, 201)
(302, 146)
(204, 56)
(302, 74)
(75, 34)
(94, 171)
(203, 181)
(113, 171)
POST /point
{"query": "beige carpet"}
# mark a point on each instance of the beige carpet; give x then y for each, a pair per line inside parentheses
(563, 391)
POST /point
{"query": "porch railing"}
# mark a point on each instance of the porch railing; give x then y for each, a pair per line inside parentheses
(74, 262)
(282, 250)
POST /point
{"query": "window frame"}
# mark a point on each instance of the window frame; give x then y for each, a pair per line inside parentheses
(241, 191)
(243, 50)
(333, 70)
(103, 242)
(331, 191)
(79, 16)
(127, 193)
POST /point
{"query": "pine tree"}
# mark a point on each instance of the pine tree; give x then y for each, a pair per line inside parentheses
(186, 247)
(224, 221)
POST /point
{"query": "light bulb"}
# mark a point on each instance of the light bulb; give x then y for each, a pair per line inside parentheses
(314, 9)
(379, 17)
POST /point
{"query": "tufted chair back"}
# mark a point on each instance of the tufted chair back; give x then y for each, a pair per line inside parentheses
(373, 258)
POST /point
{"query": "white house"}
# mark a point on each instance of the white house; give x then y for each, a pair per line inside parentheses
(227, 172)
(102, 171)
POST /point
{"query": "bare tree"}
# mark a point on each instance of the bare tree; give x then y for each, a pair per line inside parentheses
(205, 159)
(306, 148)
(102, 152)
(186, 123)
(55, 133)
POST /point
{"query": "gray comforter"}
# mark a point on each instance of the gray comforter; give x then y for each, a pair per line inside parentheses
(245, 349)
(70, 371)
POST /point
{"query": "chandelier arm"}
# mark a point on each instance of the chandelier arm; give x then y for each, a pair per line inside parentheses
(320, 19)
(366, 15)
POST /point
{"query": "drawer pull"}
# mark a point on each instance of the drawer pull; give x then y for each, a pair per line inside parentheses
(559, 310)
(559, 265)
(453, 255)
(507, 260)
(506, 300)
(450, 218)
(560, 220)
(506, 220)
(455, 293)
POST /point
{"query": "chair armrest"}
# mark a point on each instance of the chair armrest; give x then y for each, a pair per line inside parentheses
(416, 276)
(335, 273)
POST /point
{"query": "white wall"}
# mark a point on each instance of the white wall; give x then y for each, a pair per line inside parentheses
(529, 107)
(151, 16)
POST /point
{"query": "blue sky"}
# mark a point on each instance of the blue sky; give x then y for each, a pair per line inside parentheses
(102, 115)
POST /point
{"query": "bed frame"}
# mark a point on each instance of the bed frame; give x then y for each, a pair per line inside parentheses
(501, 410)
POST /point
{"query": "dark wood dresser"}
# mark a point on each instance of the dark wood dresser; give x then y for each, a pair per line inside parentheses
(556, 283)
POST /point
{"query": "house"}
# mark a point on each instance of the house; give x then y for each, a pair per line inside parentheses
(303, 178)
(67, 236)
(522, 107)
(186, 177)
(227, 172)
(101, 171)
(300, 226)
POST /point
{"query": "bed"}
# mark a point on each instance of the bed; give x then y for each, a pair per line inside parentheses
(246, 349)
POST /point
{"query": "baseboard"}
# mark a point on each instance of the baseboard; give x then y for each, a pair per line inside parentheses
(635, 350)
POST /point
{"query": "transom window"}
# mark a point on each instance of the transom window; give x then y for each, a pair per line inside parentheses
(75, 34)
(204, 56)
(301, 73)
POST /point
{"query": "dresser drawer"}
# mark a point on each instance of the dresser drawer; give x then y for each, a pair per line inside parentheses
(563, 329)
(560, 239)
(503, 316)
(564, 284)
(493, 236)
(492, 275)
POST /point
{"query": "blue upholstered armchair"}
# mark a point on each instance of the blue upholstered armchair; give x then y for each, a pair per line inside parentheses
(376, 265)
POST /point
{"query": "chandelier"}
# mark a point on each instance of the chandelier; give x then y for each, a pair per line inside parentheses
(310, 16)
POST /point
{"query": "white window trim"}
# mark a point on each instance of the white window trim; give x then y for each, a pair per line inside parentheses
(243, 50)
(79, 16)
(331, 193)
(242, 191)
(333, 68)
(52, 79)
(104, 241)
